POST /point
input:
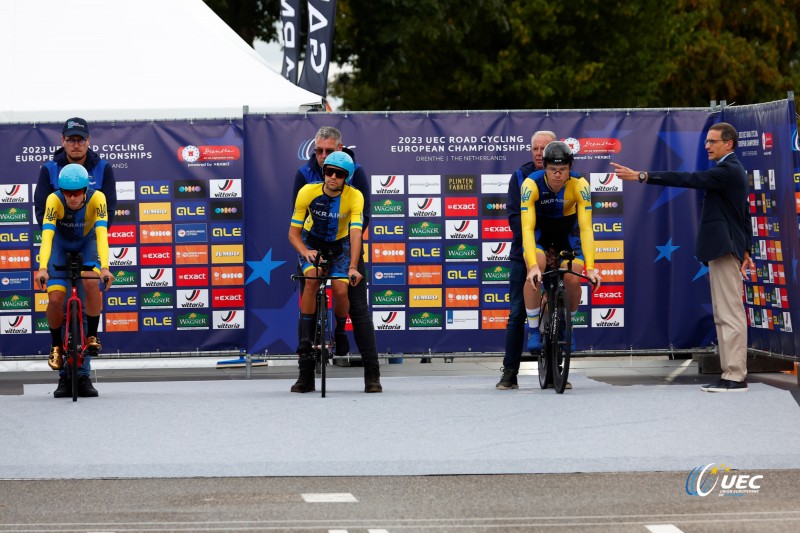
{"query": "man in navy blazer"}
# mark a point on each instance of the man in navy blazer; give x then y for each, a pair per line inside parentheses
(723, 242)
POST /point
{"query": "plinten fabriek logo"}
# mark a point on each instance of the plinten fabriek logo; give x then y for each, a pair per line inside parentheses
(706, 479)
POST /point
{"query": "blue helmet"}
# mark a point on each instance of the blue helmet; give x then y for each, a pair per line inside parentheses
(73, 177)
(343, 161)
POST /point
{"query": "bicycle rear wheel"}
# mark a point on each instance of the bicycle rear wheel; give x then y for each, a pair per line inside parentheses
(562, 324)
(545, 376)
(321, 353)
(73, 345)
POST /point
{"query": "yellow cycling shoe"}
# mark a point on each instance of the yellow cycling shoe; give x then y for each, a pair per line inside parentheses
(56, 359)
(93, 343)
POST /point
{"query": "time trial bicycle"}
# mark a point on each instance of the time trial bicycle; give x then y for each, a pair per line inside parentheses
(556, 325)
(324, 343)
(74, 347)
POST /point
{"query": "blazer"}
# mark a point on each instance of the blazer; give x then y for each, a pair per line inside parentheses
(724, 221)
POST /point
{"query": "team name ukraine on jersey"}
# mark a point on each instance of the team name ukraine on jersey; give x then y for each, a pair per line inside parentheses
(328, 218)
(91, 220)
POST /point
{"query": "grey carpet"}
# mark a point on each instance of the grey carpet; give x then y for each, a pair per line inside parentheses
(420, 425)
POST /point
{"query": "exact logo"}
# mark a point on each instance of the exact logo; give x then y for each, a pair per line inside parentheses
(703, 479)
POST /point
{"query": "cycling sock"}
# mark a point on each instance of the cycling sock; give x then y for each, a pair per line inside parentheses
(341, 321)
(533, 317)
(91, 324)
(55, 336)
(306, 326)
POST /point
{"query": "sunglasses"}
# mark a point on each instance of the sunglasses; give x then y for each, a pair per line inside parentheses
(326, 151)
(339, 173)
(73, 193)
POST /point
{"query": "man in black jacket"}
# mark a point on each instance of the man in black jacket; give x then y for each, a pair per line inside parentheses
(723, 242)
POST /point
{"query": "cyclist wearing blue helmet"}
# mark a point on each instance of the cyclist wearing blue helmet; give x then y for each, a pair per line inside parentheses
(75, 220)
(328, 216)
(327, 141)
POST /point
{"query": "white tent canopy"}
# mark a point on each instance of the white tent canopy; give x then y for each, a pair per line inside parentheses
(131, 60)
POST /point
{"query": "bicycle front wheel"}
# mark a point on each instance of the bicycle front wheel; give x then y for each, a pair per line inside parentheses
(562, 324)
(73, 345)
(545, 376)
(320, 338)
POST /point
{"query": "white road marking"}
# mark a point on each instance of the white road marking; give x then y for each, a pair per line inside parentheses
(675, 373)
(329, 497)
(377, 531)
(663, 528)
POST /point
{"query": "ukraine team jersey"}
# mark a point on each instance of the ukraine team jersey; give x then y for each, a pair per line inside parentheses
(74, 226)
(328, 218)
(543, 210)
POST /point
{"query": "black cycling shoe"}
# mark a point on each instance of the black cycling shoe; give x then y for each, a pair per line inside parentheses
(342, 344)
(86, 389)
(64, 389)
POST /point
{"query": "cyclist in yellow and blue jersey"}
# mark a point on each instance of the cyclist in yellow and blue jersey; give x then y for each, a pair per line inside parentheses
(328, 216)
(556, 213)
(75, 220)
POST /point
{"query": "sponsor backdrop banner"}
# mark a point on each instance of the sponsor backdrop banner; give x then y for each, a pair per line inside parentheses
(176, 246)
(437, 245)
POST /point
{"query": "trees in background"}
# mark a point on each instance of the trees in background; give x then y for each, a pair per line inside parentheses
(535, 54)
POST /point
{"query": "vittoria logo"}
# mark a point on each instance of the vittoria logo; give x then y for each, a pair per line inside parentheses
(192, 299)
(156, 277)
(14, 194)
(461, 229)
(613, 317)
(388, 321)
(391, 184)
(605, 182)
(229, 319)
(230, 188)
(425, 207)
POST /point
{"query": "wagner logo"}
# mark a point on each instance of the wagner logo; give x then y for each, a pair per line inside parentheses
(461, 229)
(192, 299)
(155, 233)
(155, 255)
(389, 298)
(389, 321)
(388, 208)
(496, 274)
(191, 254)
(427, 229)
(609, 250)
(424, 184)
(228, 319)
(122, 235)
(227, 275)
(193, 320)
(608, 317)
(425, 320)
(191, 277)
(157, 300)
(462, 297)
(425, 297)
(156, 277)
(125, 278)
(227, 298)
(609, 295)
(461, 206)
(15, 303)
(14, 215)
(496, 251)
(122, 322)
(461, 252)
(425, 207)
(14, 259)
(230, 188)
(388, 184)
(600, 182)
(424, 275)
(388, 252)
(122, 257)
(494, 318)
(190, 189)
(463, 184)
(14, 194)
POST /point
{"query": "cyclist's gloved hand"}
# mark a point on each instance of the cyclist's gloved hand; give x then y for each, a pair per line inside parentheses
(594, 277)
(41, 279)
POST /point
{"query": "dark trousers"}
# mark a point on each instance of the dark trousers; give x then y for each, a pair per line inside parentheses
(361, 317)
(517, 317)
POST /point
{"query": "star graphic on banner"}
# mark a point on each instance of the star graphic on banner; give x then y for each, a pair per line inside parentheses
(681, 142)
(279, 325)
(263, 268)
(666, 251)
(700, 273)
